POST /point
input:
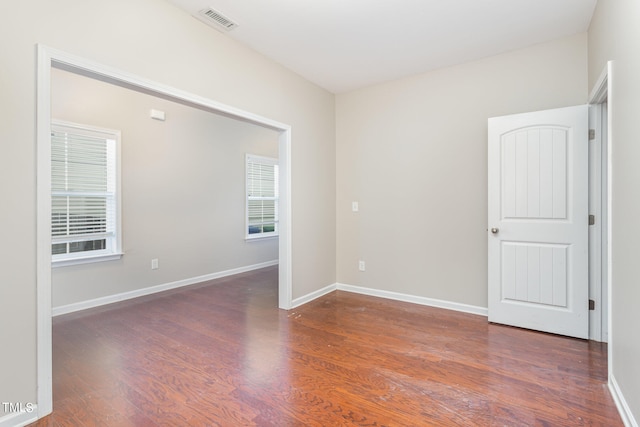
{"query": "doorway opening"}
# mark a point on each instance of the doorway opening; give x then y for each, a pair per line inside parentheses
(50, 58)
(595, 183)
(181, 191)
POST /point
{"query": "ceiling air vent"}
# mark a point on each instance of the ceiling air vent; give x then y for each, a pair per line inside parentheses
(216, 19)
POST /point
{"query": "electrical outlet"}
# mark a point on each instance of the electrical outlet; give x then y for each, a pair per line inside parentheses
(361, 265)
(154, 264)
(354, 206)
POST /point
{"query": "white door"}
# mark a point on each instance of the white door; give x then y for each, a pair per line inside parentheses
(538, 221)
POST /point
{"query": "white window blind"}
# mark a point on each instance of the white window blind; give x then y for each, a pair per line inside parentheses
(262, 196)
(84, 202)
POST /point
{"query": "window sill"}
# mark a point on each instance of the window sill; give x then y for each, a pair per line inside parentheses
(86, 260)
(252, 238)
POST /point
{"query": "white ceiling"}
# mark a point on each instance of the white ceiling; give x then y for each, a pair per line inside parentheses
(343, 45)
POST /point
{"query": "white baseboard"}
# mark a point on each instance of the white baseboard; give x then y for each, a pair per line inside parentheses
(109, 299)
(623, 407)
(465, 308)
(20, 419)
(449, 305)
(313, 295)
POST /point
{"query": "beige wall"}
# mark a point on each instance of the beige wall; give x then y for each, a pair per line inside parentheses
(182, 189)
(614, 34)
(413, 154)
(156, 41)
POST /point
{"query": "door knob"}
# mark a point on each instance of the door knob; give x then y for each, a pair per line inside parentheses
(495, 230)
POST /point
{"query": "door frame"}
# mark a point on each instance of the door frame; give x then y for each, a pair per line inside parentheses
(600, 206)
(46, 59)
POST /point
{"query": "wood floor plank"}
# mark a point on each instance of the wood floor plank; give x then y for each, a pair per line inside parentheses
(220, 353)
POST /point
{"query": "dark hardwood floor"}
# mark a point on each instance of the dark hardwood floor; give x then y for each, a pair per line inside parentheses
(221, 353)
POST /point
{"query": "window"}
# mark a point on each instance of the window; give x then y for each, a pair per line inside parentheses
(262, 197)
(84, 194)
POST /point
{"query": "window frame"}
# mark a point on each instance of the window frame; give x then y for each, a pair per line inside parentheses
(113, 244)
(270, 161)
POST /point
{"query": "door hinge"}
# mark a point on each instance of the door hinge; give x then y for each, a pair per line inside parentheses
(592, 220)
(592, 134)
(592, 304)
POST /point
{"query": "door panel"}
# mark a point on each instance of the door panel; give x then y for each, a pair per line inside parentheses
(534, 273)
(538, 194)
(534, 163)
